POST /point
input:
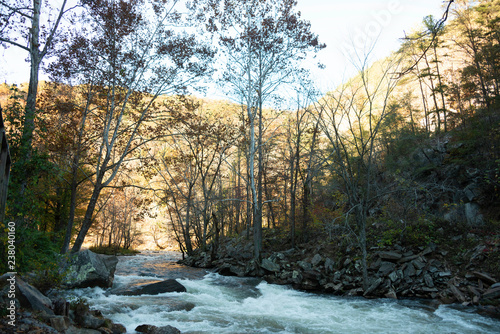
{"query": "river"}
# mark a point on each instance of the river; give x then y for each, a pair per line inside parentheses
(248, 305)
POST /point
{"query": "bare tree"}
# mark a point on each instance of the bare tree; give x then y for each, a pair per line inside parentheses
(352, 119)
(264, 42)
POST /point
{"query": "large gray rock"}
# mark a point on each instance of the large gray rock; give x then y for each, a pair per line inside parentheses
(170, 285)
(231, 270)
(91, 321)
(472, 192)
(390, 256)
(374, 285)
(473, 215)
(269, 265)
(386, 268)
(88, 269)
(76, 330)
(316, 260)
(30, 297)
(492, 293)
(60, 323)
(484, 277)
(428, 280)
(304, 265)
(149, 329)
(329, 265)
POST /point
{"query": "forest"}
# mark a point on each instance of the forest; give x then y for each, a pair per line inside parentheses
(120, 150)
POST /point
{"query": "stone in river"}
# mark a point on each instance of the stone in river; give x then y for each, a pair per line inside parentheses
(170, 285)
(149, 329)
(88, 269)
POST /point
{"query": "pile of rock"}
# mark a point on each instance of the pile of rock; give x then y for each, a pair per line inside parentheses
(394, 273)
(53, 315)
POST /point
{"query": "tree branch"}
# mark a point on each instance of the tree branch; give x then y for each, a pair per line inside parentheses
(14, 43)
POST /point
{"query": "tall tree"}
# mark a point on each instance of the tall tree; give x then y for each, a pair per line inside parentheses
(264, 42)
(30, 26)
(436, 31)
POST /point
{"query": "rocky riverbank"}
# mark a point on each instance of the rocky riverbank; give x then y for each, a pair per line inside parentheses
(429, 272)
(31, 311)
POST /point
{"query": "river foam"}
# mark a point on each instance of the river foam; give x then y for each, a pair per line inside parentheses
(246, 305)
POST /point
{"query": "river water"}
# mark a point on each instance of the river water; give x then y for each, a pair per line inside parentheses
(248, 305)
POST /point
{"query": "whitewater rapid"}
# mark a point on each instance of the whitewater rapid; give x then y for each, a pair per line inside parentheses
(219, 304)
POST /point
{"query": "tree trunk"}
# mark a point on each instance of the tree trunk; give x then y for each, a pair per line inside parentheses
(441, 90)
(257, 226)
(30, 108)
(438, 116)
(87, 220)
(187, 236)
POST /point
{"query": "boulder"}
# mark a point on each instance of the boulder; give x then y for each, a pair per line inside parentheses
(61, 307)
(304, 265)
(335, 288)
(88, 269)
(472, 214)
(391, 294)
(492, 293)
(410, 270)
(86, 318)
(231, 270)
(316, 260)
(390, 256)
(118, 329)
(149, 329)
(329, 265)
(418, 264)
(428, 281)
(90, 321)
(386, 268)
(269, 265)
(170, 285)
(76, 330)
(60, 323)
(484, 277)
(179, 305)
(458, 294)
(374, 285)
(296, 277)
(472, 192)
(394, 276)
(31, 298)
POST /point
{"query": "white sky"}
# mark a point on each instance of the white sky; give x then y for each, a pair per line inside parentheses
(338, 23)
(362, 23)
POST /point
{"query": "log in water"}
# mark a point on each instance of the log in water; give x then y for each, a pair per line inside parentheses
(218, 304)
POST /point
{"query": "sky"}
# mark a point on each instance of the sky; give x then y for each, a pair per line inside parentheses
(340, 24)
(363, 24)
